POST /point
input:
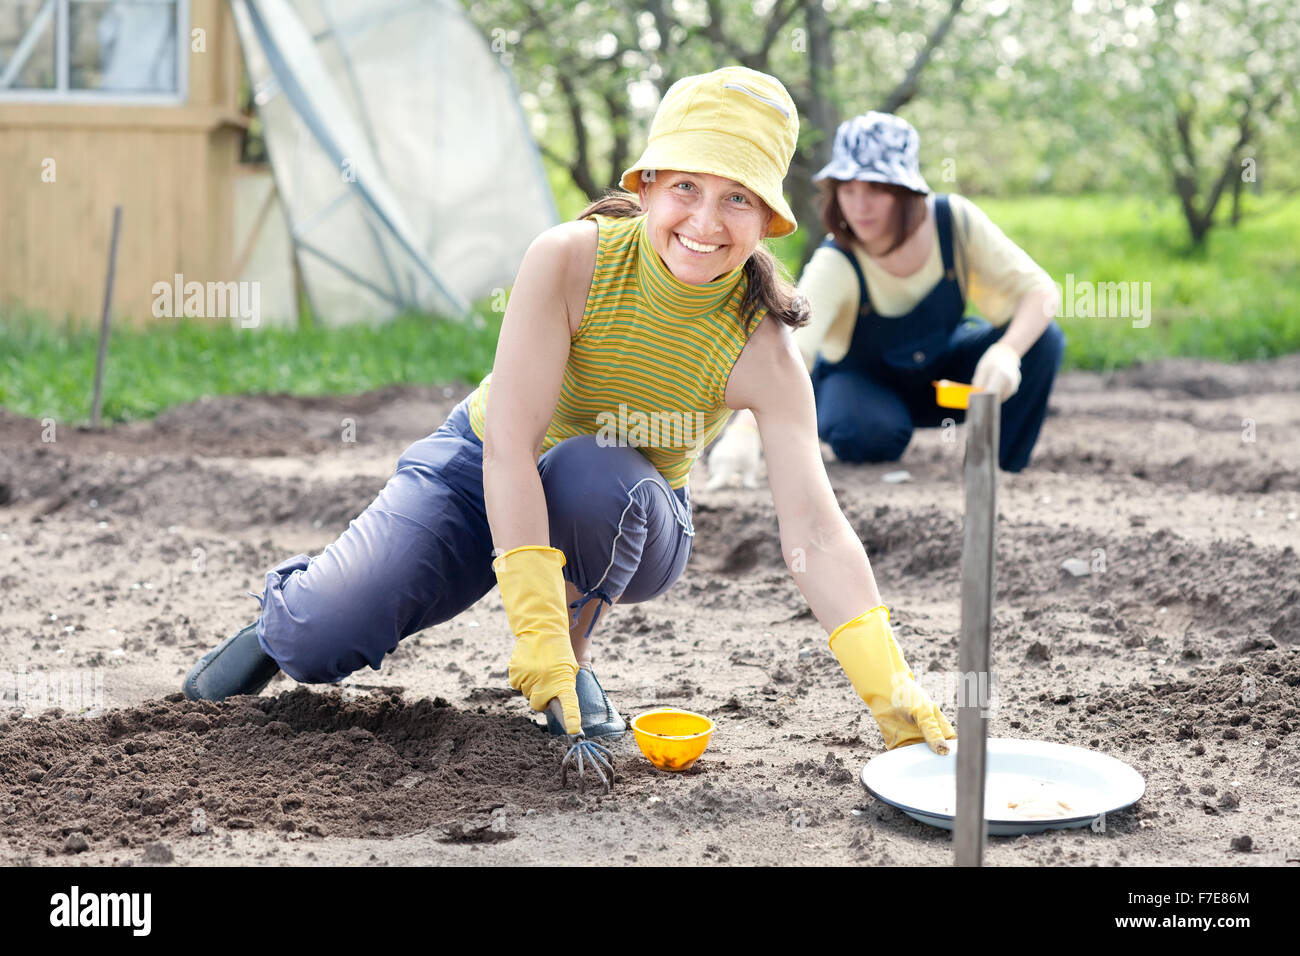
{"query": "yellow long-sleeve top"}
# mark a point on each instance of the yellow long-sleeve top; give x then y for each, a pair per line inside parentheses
(649, 363)
(994, 274)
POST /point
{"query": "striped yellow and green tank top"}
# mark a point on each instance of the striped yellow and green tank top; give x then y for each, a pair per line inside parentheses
(649, 363)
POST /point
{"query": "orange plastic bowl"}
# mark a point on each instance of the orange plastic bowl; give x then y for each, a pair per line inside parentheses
(953, 394)
(672, 739)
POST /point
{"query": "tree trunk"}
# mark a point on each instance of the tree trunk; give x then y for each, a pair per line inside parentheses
(819, 112)
(580, 165)
(908, 88)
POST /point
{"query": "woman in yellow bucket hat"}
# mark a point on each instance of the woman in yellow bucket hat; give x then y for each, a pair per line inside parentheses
(630, 336)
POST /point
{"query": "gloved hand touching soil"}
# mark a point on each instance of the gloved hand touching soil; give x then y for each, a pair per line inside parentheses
(542, 665)
(866, 649)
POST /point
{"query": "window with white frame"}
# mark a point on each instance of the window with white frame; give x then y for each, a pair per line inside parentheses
(94, 50)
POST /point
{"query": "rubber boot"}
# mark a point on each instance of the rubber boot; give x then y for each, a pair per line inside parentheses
(599, 718)
(237, 665)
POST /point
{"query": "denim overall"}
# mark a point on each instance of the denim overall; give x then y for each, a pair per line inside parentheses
(869, 402)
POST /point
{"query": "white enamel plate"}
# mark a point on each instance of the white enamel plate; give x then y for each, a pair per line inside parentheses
(1030, 786)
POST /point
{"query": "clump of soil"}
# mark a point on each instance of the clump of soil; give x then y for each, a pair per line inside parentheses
(1234, 701)
(319, 763)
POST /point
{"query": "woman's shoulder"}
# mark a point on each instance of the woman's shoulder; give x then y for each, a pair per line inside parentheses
(563, 256)
(831, 266)
(611, 239)
(974, 228)
(615, 225)
(966, 214)
(568, 241)
(567, 249)
(958, 201)
(829, 254)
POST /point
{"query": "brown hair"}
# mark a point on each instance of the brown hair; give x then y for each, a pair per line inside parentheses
(908, 214)
(767, 282)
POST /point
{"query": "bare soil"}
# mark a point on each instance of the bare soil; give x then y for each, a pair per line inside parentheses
(125, 555)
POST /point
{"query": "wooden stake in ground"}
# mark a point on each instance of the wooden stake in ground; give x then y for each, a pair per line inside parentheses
(977, 576)
(105, 318)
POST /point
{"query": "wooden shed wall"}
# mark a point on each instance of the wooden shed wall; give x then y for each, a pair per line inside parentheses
(170, 167)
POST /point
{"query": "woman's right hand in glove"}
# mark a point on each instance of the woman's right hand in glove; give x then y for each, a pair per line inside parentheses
(542, 665)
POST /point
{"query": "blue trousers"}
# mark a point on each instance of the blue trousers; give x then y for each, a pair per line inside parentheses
(422, 551)
(870, 417)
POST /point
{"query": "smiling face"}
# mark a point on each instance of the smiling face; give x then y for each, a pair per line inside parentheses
(702, 226)
(868, 208)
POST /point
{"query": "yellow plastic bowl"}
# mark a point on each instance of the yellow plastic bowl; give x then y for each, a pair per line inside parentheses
(672, 739)
(953, 394)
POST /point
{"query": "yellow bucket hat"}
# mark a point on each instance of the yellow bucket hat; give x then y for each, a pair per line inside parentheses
(736, 123)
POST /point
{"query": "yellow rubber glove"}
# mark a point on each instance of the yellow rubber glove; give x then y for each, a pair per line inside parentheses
(542, 666)
(866, 649)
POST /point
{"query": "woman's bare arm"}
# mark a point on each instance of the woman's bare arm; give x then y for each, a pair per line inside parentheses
(526, 378)
(821, 549)
(1034, 314)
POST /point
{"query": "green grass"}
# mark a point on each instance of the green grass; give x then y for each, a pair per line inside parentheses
(49, 370)
(1237, 298)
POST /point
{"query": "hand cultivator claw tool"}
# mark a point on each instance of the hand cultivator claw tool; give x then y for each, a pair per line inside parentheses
(583, 753)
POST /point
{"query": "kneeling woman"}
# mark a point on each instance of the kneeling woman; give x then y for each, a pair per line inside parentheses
(888, 289)
(660, 303)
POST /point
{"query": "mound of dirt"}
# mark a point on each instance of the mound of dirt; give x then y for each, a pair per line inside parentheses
(1259, 697)
(1224, 585)
(308, 761)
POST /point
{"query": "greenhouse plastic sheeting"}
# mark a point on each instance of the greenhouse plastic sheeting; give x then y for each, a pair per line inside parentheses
(403, 161)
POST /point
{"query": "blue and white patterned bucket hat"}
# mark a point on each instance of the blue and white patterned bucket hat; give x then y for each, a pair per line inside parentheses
(878, 148)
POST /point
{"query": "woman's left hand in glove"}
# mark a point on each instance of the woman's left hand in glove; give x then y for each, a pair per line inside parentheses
(866, 649)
